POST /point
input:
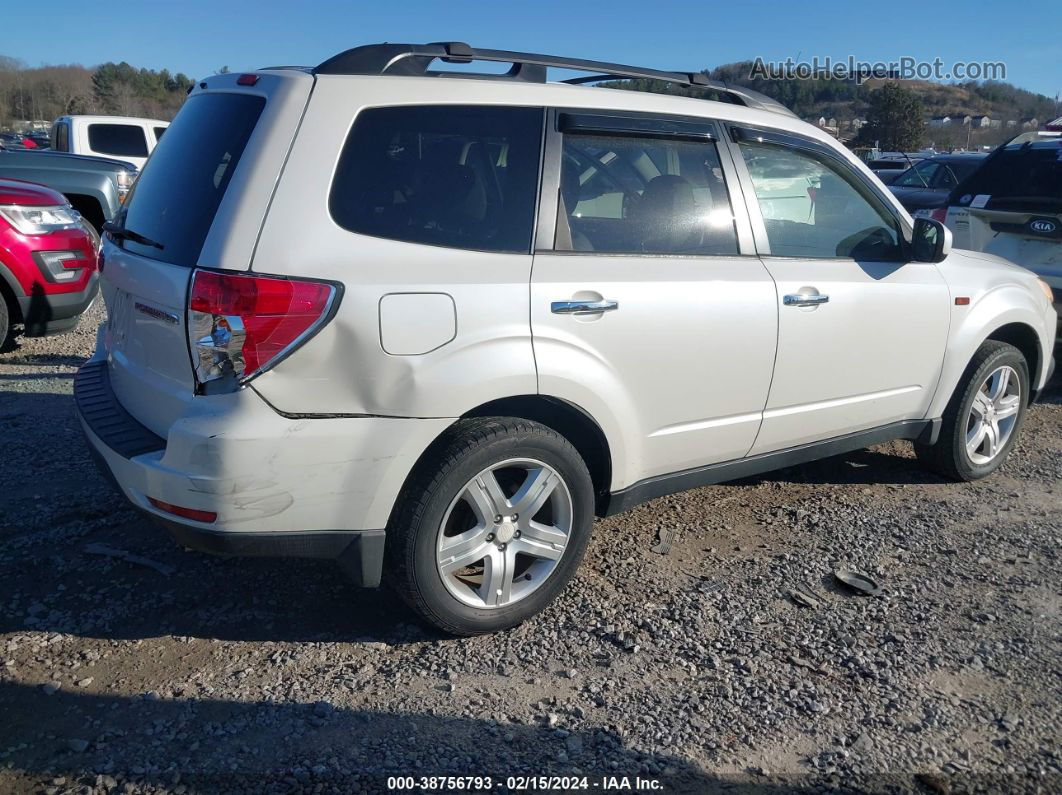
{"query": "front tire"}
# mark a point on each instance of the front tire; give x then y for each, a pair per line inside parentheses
(983, 417)
(492, 525)
(7, 332)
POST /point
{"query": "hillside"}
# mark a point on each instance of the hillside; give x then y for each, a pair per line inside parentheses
(847, 100)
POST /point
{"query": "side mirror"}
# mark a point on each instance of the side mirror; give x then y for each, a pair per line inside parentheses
(930, 241)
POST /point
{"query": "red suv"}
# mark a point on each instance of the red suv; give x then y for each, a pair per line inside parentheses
(48, 258)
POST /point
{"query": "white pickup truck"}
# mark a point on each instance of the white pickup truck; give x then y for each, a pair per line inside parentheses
(129, 138)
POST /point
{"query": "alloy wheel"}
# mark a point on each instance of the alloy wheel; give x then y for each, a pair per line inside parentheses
(993, 415)
(505, 533)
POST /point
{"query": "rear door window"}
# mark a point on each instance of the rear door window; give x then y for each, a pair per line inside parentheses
(457, 176)
(158, 133)
(625, 194)
(175, 198)
(121, 140)
(62, 137)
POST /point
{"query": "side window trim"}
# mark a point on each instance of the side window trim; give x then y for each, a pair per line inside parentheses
(701, 130)
(759, 229)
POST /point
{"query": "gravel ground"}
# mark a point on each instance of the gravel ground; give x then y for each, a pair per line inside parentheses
(164, 670)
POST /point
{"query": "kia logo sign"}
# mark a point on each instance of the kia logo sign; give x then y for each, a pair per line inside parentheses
(1043, 226)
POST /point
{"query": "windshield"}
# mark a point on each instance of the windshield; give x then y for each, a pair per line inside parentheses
(1022, 177)
(178, 193)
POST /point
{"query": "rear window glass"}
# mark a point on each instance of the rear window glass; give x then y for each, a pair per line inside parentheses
(1022, 178)
(125, 140)
(174, 200)
(457, 176)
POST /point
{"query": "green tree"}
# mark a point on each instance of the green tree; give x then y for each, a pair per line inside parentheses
(895, 119)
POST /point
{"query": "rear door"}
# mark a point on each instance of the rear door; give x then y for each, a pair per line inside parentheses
(199, 201)
(861, 331)
(645, 309)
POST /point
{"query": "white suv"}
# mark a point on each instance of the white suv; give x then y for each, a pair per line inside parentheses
(432, 323)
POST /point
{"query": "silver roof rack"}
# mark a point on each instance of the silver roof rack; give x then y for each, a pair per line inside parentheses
(415, 60)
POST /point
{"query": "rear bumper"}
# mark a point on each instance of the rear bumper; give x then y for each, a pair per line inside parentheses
(280, 487)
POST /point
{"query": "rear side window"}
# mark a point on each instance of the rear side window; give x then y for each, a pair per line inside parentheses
(458, 176)
(123, 140)
(158, 133)
(62, 137)
(174, 200)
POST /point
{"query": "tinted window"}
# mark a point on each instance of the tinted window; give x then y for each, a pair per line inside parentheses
(920, 176)
(62, 137)
(814, 207)
(954, 172)
(174, 200)
(624, 194)
(117, 139)
(1022, 177)
(464, 177)
(158, 133)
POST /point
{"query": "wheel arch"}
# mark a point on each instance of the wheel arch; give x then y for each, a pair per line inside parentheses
(570, 421)
(1005, 315)
(10, 290)
(1023, 337)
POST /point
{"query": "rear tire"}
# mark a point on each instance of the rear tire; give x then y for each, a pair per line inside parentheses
(979, 427)
(467, 571)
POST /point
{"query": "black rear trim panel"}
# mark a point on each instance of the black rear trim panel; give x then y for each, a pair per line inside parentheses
(105, 417)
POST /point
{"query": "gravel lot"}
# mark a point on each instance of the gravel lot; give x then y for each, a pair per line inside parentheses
(171, 671)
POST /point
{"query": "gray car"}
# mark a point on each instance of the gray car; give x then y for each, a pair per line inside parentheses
(95, 186)
(925, 186)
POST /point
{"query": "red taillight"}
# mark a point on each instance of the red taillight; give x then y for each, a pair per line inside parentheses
(187, 513)
(240, 323)
(246, 80)
(939, 214)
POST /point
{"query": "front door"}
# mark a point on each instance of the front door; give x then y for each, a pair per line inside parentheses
(643, 309)
(861, 331)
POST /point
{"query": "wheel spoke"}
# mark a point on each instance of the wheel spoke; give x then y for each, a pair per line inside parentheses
(464, 550)
(981, 403)
(993, 435)
(497, 586)
(1007, 406)
(534, 492)
(486, 498)
(975, 438)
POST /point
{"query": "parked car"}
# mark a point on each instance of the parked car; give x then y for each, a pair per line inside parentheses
(48, 255)
(1012, 207)
(129, 138)
(889, 168)
(925, 186)
(95, 186)
(326, 338)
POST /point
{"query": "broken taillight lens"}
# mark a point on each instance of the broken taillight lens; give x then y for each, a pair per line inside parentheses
(241, 324)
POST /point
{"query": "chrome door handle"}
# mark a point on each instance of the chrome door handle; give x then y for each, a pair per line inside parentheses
(582, 307)
(802, 299)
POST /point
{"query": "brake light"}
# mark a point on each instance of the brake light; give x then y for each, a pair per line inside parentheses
(939, 214)
(241, 324)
